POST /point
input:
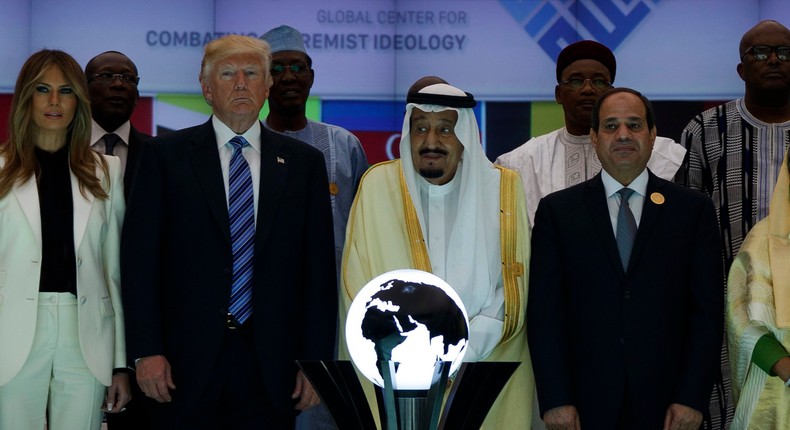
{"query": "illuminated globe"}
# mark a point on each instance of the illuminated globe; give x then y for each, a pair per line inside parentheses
(412, 318)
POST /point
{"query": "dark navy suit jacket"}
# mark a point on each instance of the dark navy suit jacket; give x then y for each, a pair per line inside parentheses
(136, 139)
(600, 335)
(177, 261)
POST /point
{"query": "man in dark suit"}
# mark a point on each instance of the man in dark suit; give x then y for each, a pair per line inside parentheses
(625, 303)
(220, 305)
(112, 88)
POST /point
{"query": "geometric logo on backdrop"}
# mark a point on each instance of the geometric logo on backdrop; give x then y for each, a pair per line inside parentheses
(556, 23)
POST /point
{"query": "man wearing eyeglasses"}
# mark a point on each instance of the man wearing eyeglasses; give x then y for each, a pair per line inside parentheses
(112, 88)
(736, 149)
(566, 157)
(293, 76)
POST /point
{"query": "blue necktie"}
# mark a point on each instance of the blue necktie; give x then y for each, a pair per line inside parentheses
(241, 212)
(626, 227)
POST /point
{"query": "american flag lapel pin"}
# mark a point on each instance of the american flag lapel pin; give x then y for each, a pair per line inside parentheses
(280, 160)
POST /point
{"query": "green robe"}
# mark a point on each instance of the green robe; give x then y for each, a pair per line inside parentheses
(762, 401)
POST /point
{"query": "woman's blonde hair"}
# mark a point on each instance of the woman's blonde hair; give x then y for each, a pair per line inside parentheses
(20, 160)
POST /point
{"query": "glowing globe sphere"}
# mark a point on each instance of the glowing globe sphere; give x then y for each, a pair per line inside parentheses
(412, 318)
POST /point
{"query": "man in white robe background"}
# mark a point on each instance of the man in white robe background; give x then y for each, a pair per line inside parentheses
(566, 157)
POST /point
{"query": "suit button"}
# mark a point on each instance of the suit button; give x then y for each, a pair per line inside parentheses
(83, 300)
(79, 262)
(627, 295)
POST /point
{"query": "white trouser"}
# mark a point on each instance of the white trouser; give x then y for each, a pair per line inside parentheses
(54, 385)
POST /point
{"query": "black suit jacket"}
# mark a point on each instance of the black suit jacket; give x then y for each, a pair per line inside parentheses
(599, 334)
(176, 260)
(136, 139)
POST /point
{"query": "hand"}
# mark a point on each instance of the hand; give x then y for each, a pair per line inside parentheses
(682, 417)
(782, 368)
(562, 418)
(154, 377)
(118, 394)
(305, 393)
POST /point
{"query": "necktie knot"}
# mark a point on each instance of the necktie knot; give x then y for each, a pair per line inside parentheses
(110, 140)
(625, 194)
(238, 142)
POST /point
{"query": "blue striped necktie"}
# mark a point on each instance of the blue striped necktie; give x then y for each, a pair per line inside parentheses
(626, 227)
(241, 212)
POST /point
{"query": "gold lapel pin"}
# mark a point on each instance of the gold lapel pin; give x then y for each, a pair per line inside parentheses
(657, 198)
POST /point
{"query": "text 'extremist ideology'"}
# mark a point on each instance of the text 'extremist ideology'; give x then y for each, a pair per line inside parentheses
(407, 41)
(400, 39)
(396, 42)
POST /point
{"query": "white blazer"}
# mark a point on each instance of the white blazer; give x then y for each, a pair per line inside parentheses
(97, 232)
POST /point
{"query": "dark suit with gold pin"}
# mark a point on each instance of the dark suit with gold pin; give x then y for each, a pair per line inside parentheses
(609, 340)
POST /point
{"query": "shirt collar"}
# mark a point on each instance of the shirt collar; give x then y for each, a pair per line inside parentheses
(97, 132)
(224, 134)
(611, 186)
(52, 158)
(574, 139)
(444, 189)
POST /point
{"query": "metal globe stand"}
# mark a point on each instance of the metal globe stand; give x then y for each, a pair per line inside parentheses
(473, 392)
(412, 409)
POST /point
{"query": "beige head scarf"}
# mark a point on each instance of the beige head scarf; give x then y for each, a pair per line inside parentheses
(474, 252)
(779, 245)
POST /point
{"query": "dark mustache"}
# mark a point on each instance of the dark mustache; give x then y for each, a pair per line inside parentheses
(439, 151)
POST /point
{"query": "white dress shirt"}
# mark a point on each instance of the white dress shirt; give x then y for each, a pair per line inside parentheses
(636, 201)
(121, 149)
(251, 153)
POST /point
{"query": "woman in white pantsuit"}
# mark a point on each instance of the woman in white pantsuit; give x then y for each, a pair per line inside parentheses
(61, 208)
